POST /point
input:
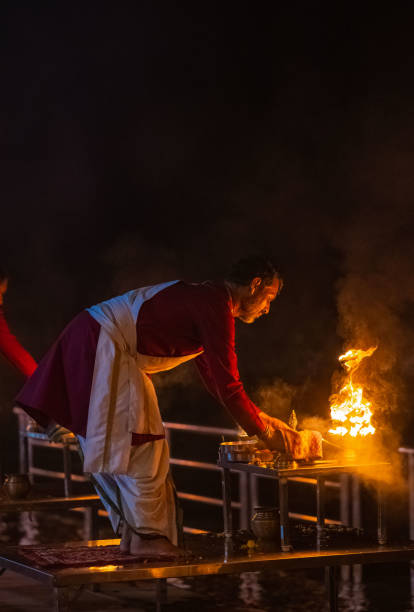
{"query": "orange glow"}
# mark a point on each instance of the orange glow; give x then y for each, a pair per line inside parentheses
(104, 568)
(350, 413)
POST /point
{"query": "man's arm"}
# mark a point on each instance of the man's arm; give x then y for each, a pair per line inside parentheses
(306, 444)
(217, 366)
(13, 350)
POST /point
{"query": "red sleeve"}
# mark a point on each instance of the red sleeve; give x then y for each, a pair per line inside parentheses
(13, 350)
(217, 366)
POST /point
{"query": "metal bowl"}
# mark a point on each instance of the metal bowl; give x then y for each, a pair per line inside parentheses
(239, 451)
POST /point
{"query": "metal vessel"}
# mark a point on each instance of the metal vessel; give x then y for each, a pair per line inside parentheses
(239, 451)
(265, 523)
(17, 486)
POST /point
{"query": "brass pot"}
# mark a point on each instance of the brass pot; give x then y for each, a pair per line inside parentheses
(17, 486)
(265, 523)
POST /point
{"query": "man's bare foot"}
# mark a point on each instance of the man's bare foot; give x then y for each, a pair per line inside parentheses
(126, 538)
(154, 547)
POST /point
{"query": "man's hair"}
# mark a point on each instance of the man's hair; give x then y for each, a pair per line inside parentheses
(253, 266)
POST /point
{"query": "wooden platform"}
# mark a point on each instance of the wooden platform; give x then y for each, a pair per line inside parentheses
(62, 581)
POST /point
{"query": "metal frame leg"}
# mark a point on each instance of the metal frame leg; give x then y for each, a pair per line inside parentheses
(227, 513)
(320, 508)
(382, 523)
(67, 468)
(91, 527)
(412, 581)
(284, 515)
(345, 516)
(356, 502)
(90, 530)
(356, 522)
(331, 580)
(21, 424)
(22, 453)
(61, 599)
(254, 491)
(344, 500)
(245, 511)
(30, 456)
(411, 493)
(161, 593)
(320, 502)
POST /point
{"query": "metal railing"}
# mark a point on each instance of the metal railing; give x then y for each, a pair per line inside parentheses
(28, 441)
(409, 453)
(247, 483)
(242, 504)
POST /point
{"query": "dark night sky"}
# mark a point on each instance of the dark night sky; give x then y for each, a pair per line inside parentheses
(149, 141)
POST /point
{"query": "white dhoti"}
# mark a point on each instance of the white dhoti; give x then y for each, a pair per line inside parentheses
(133, 481)
(144, 497)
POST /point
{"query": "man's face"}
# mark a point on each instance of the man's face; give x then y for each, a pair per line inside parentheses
(3, 289)
(257, 299)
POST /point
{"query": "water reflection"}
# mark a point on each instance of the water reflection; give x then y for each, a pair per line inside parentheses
(412, 583)
(352, 596)
(250, 589)
(43, 528)
(29, 528)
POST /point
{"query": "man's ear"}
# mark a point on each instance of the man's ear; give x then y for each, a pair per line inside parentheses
(255, 284)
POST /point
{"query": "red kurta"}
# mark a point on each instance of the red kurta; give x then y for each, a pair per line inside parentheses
(182, 319)
(13, 350)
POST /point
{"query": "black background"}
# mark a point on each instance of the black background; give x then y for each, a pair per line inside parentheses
(149, 141)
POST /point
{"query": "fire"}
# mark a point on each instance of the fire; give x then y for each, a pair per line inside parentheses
(349, 411)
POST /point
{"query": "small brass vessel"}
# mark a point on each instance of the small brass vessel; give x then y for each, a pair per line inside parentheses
(17, 486)
(265, 524)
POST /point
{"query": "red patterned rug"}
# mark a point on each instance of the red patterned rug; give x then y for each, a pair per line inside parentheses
(48, 557)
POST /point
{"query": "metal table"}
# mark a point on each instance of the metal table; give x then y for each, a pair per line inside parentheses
(65, 581)
(319, 469)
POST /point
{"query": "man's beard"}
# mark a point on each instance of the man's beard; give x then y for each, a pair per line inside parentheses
(248, 310)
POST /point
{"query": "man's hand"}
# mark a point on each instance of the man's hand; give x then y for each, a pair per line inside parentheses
(272, 436)
(306, 444)
(272, 422)
(274, 440)
(56, 433)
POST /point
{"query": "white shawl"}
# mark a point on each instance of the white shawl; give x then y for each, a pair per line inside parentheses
(123, 398)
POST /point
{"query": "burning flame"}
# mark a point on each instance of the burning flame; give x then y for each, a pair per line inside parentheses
(348, 408)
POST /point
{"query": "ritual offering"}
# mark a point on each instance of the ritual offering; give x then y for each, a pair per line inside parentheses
(265, 457)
